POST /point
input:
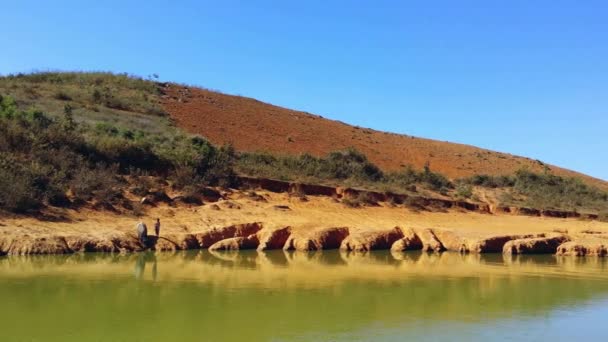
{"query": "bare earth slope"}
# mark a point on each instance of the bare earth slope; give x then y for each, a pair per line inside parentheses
(251, 125)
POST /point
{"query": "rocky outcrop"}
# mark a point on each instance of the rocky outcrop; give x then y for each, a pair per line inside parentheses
(236, 243)
(316, 239)
(26, 245)
(430, 243)
(211, 236)
(367, 240)
(91, 244)
(127, 243)
(409, 242)
(175, 242)
(539, 245)
(273, 238)
(450, 241)
(455, 242)
(492, 244)
(587, 247)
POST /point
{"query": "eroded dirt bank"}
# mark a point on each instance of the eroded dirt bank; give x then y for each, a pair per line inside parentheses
(266, 220)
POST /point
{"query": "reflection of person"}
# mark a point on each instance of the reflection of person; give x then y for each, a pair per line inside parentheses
(140, 266)
(142, 233)
(154, 270)
(157, 227)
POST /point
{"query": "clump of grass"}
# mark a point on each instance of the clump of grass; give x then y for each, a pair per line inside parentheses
(408, 178)
(464, 190)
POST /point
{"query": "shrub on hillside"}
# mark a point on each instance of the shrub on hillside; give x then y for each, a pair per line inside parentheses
(340, 165)
(407, 179)
(545, 190)
(464, 190)
(42, 159)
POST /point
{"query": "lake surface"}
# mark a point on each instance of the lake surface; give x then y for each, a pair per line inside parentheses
(276, 296)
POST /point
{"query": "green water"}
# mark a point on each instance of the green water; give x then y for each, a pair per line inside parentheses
(329, 296)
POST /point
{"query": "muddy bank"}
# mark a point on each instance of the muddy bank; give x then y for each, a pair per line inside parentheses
(255, 236)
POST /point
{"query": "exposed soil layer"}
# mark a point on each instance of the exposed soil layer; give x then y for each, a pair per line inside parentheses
(241, 221)
(232, 238)
(251, 125)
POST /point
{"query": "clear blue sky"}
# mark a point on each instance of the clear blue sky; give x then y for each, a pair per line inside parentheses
(524, 77)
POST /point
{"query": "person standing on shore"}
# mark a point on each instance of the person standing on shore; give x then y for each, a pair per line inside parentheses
(142, 233)
(157, 227)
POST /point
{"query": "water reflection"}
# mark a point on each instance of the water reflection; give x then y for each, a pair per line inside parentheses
(140, 265)
(303, 268)
(288, 296)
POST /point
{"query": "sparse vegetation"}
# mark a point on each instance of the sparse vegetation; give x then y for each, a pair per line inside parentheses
(545, 190)
(55, 161)
(464, 190)
(67, 139)
(349, 165)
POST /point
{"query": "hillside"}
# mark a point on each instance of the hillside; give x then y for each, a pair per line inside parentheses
(103, 141)
(251, 125)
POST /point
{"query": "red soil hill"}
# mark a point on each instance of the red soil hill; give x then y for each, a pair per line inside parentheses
(252, 125)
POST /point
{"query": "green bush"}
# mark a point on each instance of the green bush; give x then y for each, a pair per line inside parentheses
(337, 166)
(407, 179)
(488, 181)
(464, 190)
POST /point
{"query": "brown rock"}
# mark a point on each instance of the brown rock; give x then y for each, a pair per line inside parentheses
(409, 242)
(211, 236)
(430, 243)
(454, 242)
(492, 244)
(451, 241)
(127, 243)
(367, 240)
(176, 242)
(587, 247)
(316, 239)
(25, 245)
(273, 238)
(236, 243)
(539, 245)
(165, 245)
